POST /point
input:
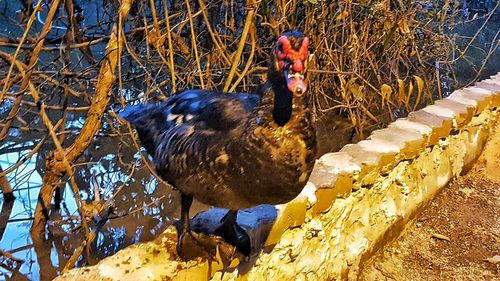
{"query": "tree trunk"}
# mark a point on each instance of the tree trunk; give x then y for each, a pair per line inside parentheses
(55, 162)
(8, 195)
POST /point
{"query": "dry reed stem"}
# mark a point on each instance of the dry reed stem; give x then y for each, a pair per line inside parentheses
(237, 56)
(249, 61)
(16, 53)
(170, 48)
(5, 186)
(31, 65)
(215, 36)
(194, 43)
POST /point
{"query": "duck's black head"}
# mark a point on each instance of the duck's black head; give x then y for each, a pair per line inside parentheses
(288, 62)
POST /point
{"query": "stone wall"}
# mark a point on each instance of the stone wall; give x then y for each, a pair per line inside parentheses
(356, 201)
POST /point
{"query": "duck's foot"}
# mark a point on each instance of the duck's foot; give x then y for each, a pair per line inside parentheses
(228, 240)
(234, 234)
(192, 245)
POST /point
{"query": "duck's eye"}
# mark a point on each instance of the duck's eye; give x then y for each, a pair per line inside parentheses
(280, 48)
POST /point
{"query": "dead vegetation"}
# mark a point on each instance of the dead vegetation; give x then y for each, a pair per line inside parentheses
(67, 71)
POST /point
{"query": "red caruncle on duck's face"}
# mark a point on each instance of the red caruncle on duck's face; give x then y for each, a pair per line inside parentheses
(287, 54)
(291, 54)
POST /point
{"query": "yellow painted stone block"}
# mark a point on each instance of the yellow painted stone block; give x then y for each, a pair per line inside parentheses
(495, 88)
(410, 143)
(441, 126)
(482, 101)
(290, 215)
(325, 198)
(344, 185)
(370, 163)
(463, 112)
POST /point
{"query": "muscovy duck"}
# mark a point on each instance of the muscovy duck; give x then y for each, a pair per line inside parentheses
(235, 150)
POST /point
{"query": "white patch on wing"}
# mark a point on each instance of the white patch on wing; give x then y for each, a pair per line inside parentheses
(188, 117)
(171, 117)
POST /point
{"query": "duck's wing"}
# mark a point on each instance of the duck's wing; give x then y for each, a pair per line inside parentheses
(189, 125)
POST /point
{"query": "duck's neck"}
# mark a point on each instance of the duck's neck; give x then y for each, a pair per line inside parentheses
(279, 106)
(282, 106)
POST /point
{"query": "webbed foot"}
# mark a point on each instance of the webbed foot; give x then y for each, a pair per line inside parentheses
(234, 234)
(227, 241)
(192, 245)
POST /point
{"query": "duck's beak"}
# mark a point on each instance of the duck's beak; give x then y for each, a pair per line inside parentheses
(295, 83)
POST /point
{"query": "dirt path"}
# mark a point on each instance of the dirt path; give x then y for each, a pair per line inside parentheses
(455, 235)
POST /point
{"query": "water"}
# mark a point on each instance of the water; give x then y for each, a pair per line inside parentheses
(484, 49)
(143, 209)
(118, 233)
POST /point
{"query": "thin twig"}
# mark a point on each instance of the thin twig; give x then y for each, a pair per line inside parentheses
(236, 58)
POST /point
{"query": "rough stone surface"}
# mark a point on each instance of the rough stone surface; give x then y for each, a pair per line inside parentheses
(481, 100)
(466, 212)
(333, 177)
(463, 100)
(388, 150)
(413, 126)
(326, 197)
(369, 161)
(441, 126)
(493, 86)
(289, 215)
(409, 142)
(322, 176)
(462, 112)
(345, 169)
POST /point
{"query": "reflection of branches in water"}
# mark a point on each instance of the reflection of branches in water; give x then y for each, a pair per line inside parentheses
(4, 216)
(6, 188)
(43, 250)
(12, 264)
(16, 274)
(24, 158)
(102, 219)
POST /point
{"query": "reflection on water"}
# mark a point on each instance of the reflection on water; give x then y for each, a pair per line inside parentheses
(142, 210)
(26, 182)
(482, 55)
